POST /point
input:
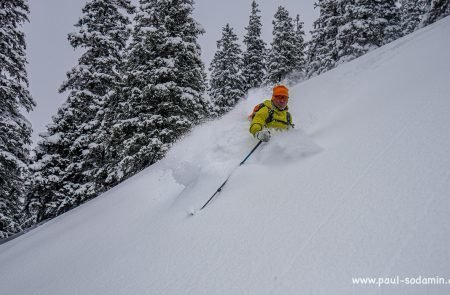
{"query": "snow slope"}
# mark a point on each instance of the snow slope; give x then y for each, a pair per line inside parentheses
(359, 189)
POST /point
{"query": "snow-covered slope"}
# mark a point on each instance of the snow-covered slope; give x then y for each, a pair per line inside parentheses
(359, 189)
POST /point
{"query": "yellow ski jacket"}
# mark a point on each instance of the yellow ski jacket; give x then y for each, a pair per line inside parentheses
(281, 119)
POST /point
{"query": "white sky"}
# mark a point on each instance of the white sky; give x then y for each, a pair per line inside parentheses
(50, 55)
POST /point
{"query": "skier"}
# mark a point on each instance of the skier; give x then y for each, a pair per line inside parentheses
(271, 114)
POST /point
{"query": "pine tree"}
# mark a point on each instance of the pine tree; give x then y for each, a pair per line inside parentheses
(226, 82)
(434, 11)
(389, 16)
(254, 56)
(68, 157)
(46, 187)
(322, 50)
(411, 12)
(15, 129)
(366, 25)
(282, 55)
(299, 68)
(163, 94)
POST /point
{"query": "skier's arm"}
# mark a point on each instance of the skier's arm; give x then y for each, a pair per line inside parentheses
(259, 120)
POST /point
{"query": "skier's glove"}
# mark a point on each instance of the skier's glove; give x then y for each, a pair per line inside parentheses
(263, 135)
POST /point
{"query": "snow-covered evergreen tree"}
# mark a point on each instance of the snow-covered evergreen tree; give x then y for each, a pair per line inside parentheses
(411, 12)
(366, 25)
(299, 69)
(434, 11)
(254, 56)
(389, 16)
(68, 157)
(226, 82)
(164, 87)
(281, 60)
(46, 187)
(322, 49)
(15, 129)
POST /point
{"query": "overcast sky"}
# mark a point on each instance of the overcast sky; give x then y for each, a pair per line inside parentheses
(50, 55)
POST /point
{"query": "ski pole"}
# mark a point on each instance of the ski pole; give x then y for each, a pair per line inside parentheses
(223, 184)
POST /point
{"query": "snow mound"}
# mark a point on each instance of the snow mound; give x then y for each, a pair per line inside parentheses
(185, 172)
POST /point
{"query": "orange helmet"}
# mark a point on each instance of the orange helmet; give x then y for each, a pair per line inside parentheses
(280, 96)
(280, 90)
